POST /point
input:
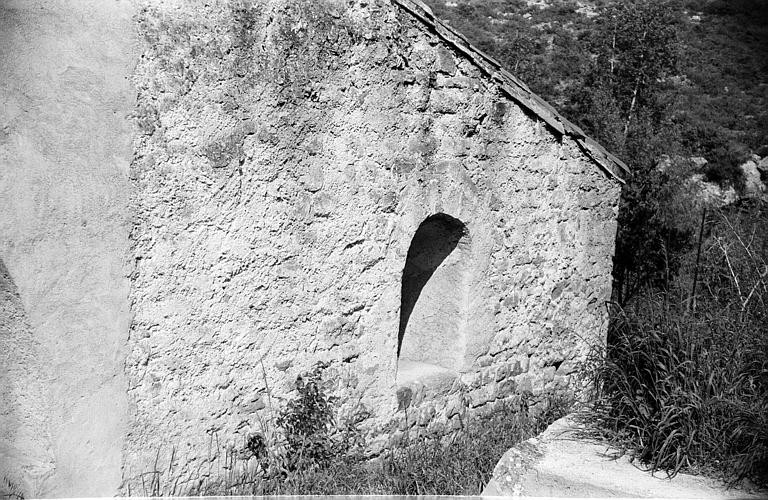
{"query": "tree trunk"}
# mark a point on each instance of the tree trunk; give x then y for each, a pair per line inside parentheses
(632, 106)
(636, 89)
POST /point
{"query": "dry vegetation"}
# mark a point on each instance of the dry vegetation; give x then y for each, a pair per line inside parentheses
(307, 451)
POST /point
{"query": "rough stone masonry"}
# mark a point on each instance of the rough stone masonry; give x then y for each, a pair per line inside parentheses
(203, 200)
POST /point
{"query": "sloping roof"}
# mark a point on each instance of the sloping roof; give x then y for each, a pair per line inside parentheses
(516, 89)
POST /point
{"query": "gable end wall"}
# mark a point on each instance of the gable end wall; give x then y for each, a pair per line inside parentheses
(290, 151)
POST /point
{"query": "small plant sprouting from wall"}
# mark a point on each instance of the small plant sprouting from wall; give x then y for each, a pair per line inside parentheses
(306, 423)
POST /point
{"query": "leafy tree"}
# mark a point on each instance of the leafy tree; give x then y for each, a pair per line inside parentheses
(622, 104)
(634, 50)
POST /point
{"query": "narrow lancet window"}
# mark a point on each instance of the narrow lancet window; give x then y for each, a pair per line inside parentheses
(433, 299)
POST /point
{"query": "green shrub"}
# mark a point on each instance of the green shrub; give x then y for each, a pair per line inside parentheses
(723, 167)
(459, 464)
(306, 423)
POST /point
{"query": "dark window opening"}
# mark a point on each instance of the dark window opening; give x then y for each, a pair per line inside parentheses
(432, 298)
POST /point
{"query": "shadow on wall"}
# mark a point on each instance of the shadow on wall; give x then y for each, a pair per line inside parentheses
(433, 298)
(26, 458)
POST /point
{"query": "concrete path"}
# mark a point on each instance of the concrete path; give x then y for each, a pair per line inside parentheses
(557, 463)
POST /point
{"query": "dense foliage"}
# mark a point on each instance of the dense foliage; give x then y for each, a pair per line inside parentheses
(704, 62)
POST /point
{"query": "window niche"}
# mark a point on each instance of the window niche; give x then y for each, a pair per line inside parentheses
(433, 303)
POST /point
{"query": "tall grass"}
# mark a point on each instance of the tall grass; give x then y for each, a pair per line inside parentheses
(683, 383)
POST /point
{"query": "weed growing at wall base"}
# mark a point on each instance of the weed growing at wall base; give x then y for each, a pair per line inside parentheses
(316, 454)
(306, 423)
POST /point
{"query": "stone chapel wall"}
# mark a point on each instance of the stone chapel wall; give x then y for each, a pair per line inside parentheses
(289, 151)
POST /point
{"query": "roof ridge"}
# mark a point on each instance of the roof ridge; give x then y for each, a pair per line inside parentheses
(516, 89)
